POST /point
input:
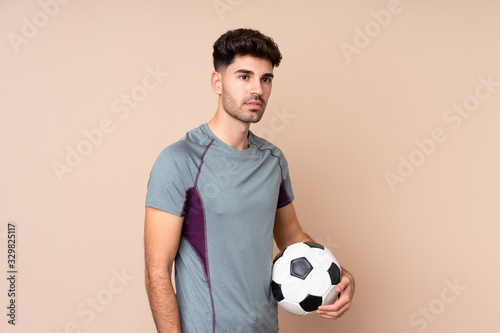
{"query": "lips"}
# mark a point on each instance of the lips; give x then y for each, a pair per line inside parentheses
(254, 104)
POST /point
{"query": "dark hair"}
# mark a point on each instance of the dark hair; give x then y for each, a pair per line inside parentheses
(241, 42)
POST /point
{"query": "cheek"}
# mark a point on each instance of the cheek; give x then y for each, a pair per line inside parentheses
(235, 89)
(267, 92)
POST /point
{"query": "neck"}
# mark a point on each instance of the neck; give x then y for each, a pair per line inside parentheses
(229, 130)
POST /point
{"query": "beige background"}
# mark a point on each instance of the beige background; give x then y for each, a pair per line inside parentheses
(343, 118)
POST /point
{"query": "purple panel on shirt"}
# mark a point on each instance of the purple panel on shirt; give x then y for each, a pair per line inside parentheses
(194, 227)
(283, 198)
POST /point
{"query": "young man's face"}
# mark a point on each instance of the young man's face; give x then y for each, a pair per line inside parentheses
(246, 86)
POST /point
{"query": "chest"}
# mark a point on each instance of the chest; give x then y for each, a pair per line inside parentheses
(240, 189)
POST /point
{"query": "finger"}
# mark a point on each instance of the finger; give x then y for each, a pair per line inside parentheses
(325, 316)
(343, 284)
(342, 299)
(331, 314)
(336, 309)
(336, 306)
(334, 315)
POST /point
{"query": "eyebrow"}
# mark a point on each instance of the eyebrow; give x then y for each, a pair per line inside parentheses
(245, 71)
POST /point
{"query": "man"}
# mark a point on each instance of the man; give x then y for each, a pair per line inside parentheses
(215, 199)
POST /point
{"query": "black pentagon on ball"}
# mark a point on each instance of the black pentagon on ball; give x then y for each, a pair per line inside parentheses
(300, 268)
(311, 303)
(277, 293)
(313, 244)
(334, 272)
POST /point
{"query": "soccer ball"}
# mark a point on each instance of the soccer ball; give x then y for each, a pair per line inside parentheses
(304, 276)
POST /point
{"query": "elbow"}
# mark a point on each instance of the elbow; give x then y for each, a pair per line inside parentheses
(153, 274)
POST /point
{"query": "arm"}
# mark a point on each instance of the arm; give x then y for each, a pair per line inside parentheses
(286, 232)
(162, 232)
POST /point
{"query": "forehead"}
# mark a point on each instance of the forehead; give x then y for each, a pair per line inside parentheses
(248, 62)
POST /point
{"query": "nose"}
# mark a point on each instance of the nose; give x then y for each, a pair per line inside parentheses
(256, 88)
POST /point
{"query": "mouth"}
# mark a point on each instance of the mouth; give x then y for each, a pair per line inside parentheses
(254, 105)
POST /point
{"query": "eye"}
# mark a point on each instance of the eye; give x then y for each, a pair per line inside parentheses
(266, 79)
(244, 77)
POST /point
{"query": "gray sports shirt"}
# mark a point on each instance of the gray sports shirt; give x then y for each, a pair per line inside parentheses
(228, 199)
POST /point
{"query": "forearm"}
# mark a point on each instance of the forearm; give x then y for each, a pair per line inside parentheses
(284, 240)
(299, 236)
(163, 302)
(287, 230)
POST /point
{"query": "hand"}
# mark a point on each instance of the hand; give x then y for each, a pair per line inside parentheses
(345, 288)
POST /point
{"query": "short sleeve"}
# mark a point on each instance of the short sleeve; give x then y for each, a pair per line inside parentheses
(168, 183)
(286, 192)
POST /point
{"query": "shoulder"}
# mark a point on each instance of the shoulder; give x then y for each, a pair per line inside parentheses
(188, 147)
(263, 144)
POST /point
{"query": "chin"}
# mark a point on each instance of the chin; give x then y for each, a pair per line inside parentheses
(256, 120)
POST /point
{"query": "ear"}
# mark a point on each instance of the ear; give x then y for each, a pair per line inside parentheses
(217, 82)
